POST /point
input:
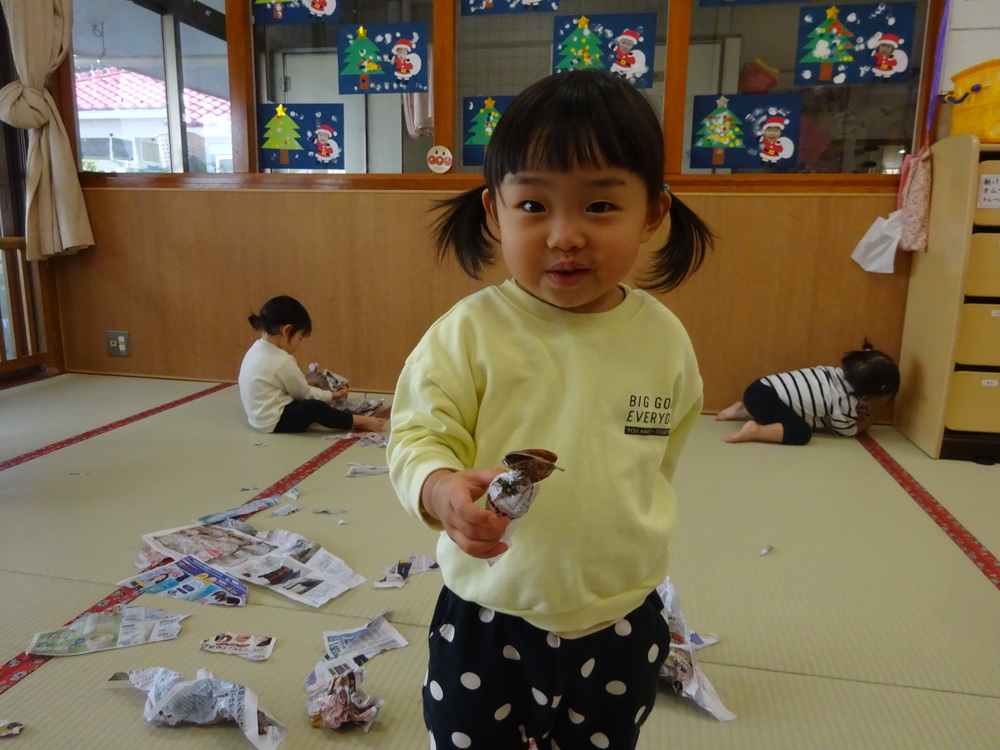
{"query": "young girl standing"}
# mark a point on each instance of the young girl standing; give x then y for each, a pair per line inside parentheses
(559, 642)
(787, 407)
(273, 389)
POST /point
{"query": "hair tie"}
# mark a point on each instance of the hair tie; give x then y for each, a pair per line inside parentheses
(666, 188)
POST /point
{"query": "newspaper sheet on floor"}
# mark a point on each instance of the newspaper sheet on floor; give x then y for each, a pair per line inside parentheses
(192, 580)
(250, 647)
(118, 627)
(681, 668)
(285, 562)
(397, 574)
(172, 699)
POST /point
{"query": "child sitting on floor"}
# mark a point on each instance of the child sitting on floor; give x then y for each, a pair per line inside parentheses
(273, 389)
(787, 407)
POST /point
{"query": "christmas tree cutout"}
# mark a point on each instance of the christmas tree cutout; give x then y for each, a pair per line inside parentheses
(828, 43)
(282, 133)
(483, 123)
(720, 130)
(362, 58)
(581, 49)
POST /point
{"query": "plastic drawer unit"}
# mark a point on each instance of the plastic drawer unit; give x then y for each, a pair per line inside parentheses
(979, 335)
(982, 274)
(974, 402)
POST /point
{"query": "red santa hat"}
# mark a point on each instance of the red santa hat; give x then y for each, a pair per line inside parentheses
(775, 121)
(326, 129)
(629, 35)
(406, 44)
(892, 39)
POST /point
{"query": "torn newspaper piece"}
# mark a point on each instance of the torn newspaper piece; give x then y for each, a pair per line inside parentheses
(118, 627)
(250, 647)
(192, 580)
(681, 668)
(397, 574)
(172, 699)
(511, 494)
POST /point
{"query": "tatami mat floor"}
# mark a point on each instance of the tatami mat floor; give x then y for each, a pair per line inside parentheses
(865, 626)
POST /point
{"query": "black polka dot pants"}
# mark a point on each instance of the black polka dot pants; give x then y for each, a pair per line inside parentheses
(494, 682)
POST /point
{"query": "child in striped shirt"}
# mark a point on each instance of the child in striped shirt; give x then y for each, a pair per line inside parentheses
(787, 407)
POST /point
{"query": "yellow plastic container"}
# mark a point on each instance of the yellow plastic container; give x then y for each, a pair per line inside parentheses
(977, 101)
(979, 335)
(982, 272)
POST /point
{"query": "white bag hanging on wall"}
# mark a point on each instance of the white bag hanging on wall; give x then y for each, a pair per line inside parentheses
(877, 250)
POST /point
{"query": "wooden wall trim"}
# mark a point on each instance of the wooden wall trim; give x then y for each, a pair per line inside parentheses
(242, 85)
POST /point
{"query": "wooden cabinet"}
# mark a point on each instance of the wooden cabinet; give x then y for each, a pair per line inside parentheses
(949, 399)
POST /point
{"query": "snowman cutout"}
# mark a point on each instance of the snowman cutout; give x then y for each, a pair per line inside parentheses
(630, 62)
(773, 145)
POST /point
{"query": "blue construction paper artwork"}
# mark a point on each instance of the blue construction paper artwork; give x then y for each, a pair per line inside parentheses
(622, 43)
(271, 12)
(731, 3)
(855, 44)
(486, 7)
(480, 115)
(745, 131)
(301, 136)
(386, 58)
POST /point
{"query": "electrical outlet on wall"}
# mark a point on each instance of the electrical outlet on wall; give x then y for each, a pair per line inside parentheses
(117, 343)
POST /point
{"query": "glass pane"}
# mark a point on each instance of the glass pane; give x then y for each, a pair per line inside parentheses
(500, 54)
(128, 117)
(299, 63)
(748, 53)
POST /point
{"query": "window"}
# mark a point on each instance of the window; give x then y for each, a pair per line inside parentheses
(151, 80)
(300, 62)
(752, 52)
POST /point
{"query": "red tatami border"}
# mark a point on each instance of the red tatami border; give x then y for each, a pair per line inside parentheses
(961, 536)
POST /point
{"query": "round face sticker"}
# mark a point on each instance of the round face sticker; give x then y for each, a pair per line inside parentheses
(439, 159)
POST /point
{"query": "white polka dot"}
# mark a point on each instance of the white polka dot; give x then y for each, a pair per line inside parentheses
(555, 746)
(623, 627)
(553, 640)
(600, 740)
(511, 653)
(460, 739)
(447, 632)
(575, 717)
(436, 692)
(555, 701)
(502, 713)
(524, 735)
(426, 675)
(486, 615)
(587, 668)
(654, 651)
(471, 680)
(615, 687)
(540, 698)
(638, 716)
(433, 742)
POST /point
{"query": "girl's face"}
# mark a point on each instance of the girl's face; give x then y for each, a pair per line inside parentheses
(286, 340)
(569, 238)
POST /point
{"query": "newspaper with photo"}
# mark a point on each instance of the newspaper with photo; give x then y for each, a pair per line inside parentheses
(118, 627)
(192, 580)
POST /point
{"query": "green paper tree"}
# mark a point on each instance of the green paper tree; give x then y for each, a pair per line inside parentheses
(719, 130)
(581, 49)
(361, 58)
(282, 133)
(483, 123)
(833, 43)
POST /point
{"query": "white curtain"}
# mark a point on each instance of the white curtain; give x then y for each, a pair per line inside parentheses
(56, 221)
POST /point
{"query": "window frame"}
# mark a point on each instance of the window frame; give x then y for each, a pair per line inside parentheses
(242, 90)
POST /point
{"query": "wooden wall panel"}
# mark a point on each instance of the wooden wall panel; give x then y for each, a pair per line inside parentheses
(181, 269)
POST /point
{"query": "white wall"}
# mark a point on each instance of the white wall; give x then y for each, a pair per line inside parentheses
(973, 37)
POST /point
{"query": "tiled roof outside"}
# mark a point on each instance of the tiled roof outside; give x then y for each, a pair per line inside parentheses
(120, 89)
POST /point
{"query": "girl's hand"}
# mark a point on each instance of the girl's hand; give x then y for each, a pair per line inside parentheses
(449, 496)
(341, 392)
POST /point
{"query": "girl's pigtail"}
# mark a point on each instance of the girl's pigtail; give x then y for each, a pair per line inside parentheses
(255, 321)
(688, 241)
(462, 230)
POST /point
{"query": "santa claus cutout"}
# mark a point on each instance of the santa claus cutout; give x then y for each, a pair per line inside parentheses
(773, 145)
(327, 149)
(630, 62)
(406, 63)
(889, 58)
(321, 7)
